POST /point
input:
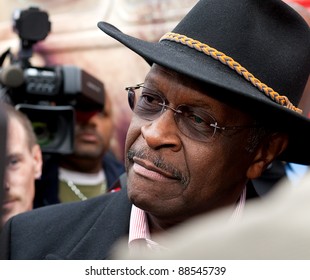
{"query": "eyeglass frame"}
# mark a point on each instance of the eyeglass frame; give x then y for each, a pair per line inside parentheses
(176, 111)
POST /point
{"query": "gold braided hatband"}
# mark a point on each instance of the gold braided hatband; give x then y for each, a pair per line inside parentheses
(204, 48)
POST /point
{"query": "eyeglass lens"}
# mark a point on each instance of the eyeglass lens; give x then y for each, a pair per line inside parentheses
(194, 122)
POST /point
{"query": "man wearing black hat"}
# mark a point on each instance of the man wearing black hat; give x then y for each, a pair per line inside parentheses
(218, 105)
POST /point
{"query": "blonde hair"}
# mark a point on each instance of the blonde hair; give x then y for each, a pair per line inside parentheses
(11, 112)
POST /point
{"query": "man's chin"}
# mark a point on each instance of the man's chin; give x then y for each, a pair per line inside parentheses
(87, 153)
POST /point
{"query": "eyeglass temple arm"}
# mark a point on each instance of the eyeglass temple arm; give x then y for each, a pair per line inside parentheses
(134, 87)
(232, 127)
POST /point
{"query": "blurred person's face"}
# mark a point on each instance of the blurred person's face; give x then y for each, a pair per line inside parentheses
(23, 166)
(93, 132)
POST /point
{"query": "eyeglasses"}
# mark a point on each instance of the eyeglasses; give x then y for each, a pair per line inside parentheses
(194, 122)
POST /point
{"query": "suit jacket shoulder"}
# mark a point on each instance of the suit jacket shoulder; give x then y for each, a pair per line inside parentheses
(78, 230)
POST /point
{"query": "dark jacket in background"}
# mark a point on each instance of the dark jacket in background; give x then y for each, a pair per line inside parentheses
(274, 173)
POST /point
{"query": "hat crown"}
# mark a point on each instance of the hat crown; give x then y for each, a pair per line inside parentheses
(267, 37)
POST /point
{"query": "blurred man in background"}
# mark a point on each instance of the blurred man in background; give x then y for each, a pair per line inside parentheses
(90, 170)
(23, 165)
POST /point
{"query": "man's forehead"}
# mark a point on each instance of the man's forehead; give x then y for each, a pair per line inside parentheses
(17, 137)
(200, 94)
(165, 79)
(159, 72)
(14, 126)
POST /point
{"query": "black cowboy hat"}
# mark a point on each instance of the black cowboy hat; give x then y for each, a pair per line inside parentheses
(257, 52)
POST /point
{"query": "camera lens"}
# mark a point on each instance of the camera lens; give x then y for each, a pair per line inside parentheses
(43, 132)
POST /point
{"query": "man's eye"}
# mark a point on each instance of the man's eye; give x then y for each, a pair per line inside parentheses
(196, 119)
(151, 99)
(11, 162)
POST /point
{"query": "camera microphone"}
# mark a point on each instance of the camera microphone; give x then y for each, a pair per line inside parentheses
(12, 76)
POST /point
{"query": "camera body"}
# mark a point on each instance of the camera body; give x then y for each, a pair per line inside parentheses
(48, 95)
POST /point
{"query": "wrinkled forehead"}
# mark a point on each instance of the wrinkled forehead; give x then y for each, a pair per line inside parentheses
(163, 74)
(195, 92)
(166, 80)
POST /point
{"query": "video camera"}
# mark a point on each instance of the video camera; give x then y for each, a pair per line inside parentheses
(49, 96)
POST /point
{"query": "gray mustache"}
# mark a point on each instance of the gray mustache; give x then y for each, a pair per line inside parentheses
(159, 163)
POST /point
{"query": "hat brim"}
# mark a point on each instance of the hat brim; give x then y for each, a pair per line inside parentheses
(236, 89)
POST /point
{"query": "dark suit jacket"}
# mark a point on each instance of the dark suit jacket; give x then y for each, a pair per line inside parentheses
(78, 230)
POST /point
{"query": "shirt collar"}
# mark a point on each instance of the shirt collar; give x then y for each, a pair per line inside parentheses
(139, 233)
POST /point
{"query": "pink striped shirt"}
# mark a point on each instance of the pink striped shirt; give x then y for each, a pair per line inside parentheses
(139, 232)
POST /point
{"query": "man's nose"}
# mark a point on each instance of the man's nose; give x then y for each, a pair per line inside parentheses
(162, 132)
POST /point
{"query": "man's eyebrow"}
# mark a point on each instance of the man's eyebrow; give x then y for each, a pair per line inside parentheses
(10, 155)
(197, 101)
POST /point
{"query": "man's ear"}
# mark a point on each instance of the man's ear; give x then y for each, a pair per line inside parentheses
(268, 150)
(38, 162)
